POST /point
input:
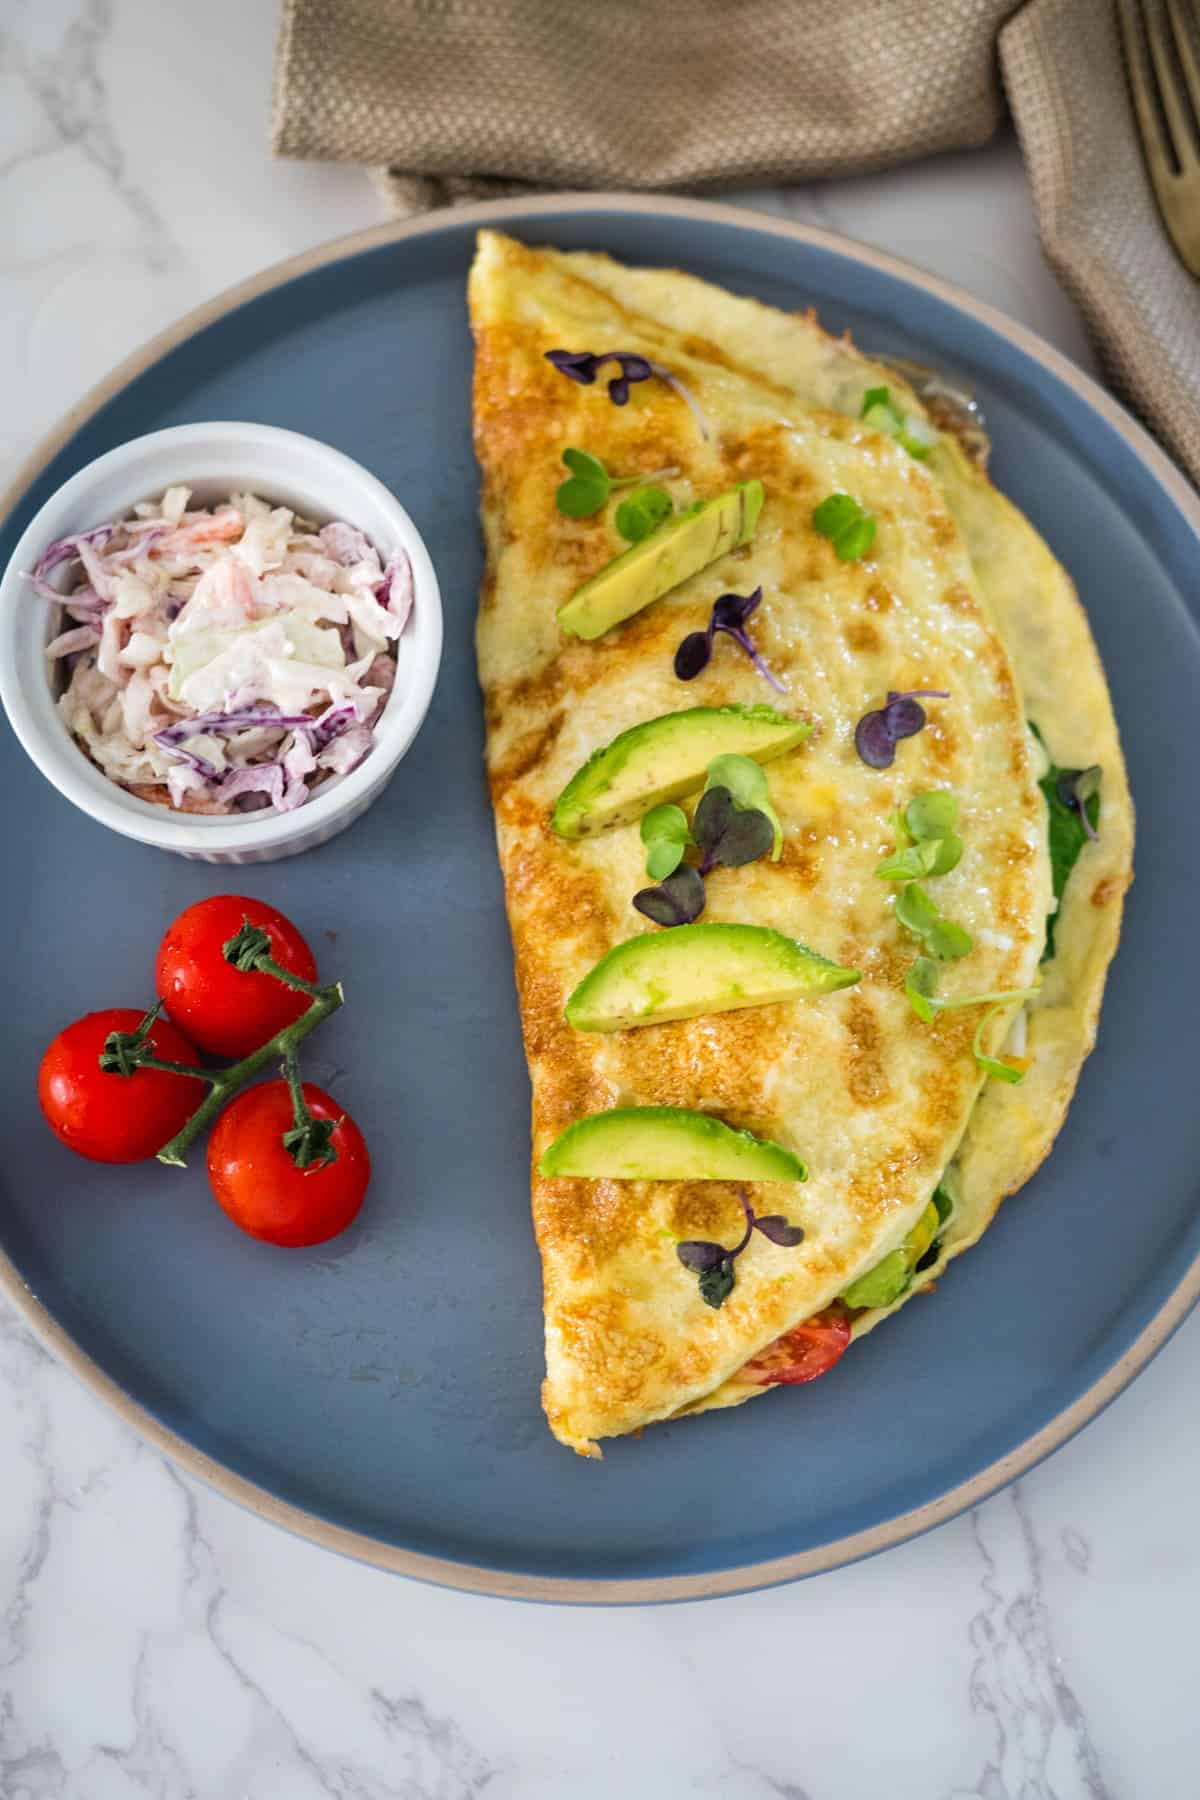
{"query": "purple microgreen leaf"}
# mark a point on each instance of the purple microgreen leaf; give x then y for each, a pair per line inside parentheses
(729, 834)
(576, 365)
(699, 1254)
(711, 818)
(904, 717)
(779, 1230)
(729, 614)
(676, 901)
(873, 740)
(731, 611)
(693, 655)
(880, 730)
(584, 366)
(714, 1263)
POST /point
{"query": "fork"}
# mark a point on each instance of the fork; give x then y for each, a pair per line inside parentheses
(1166, 94)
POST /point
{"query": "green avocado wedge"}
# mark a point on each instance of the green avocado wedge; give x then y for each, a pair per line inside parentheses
(666, 1143)
(682, 547)
(666, 758)
(889, 1278)
(695, 969)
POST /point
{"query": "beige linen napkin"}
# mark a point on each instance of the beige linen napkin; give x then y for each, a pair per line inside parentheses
(453, 99)
(1097, 214)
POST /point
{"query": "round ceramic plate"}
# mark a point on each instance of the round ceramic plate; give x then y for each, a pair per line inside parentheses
(380, 1394)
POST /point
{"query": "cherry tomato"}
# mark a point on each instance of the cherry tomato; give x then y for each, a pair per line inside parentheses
(228, 1011)
(808, 1350)
(115, 1118)
(259, 1185)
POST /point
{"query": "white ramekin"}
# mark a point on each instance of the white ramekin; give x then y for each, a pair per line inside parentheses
(216, 460)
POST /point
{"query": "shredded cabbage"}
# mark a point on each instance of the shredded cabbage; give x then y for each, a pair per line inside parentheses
(226, 659)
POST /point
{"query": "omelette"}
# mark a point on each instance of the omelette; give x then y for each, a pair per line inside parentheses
(812, 819)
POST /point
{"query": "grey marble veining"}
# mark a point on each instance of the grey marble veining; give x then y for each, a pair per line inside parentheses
(154, 1640)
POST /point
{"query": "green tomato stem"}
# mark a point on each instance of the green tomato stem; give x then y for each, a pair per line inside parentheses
(224, 1083)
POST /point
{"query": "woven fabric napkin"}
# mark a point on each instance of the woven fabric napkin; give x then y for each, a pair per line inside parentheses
(454, 99)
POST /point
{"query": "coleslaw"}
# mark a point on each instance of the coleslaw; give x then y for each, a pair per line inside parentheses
(226, 659)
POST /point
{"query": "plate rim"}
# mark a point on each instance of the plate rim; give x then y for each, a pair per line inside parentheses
(478, 1578)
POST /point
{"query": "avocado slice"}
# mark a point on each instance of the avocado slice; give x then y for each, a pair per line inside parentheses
(665, 758)
(889, 1278)
(681, 547)
(666, 1143)
(698, 969)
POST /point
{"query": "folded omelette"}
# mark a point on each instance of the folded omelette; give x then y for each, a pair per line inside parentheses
(779, 637)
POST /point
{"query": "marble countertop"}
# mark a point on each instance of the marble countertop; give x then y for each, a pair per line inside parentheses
(155, 1640)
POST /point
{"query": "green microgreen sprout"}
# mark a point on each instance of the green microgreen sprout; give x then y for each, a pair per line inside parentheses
(589, 486)
(942, 938)
(849, 528)
(666, 835)
(910, 431)
(308, 1140)
(921, 984)
(643, 512)
(926, 843)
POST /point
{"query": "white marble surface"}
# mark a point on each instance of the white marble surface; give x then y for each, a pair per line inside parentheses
(154, 1640)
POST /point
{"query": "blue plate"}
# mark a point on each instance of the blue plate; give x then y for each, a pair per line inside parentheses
(381, 1394)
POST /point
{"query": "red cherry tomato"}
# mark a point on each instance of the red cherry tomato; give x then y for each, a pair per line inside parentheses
(109, 1117)
(228, 1011)
(259, 1185)
(808, 1350)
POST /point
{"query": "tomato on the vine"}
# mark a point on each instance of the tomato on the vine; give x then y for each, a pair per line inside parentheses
(110, 1117)
(259, 1185)
(225, 1010)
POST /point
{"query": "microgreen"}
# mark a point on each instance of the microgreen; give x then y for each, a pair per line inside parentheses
(729, 615)
(747, 782)
(1073, 808)
(849, 528)
(925, 839)
(713, 1263)
(734, 823)
(931, 815)
(583, 366)
(942, 938)
(910, 431)
(729, 835)
(910, 863)
(643, 512)
(878, 732)
(666, 836)
(678, 900)
(1010, 1069)
(588, 487)
(920, 985)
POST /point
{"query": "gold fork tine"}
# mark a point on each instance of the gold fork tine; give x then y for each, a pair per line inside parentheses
(1143, 99)
(1174, 171)
(1188, 61)
(1178, 123)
